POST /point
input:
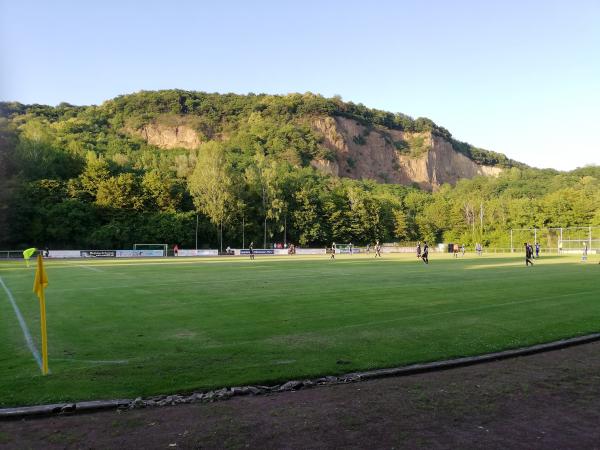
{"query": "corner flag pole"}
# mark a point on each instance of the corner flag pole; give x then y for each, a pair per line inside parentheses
(44, 334)
(39, 284)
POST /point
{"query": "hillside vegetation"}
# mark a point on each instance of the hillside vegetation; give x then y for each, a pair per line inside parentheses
(140, 167)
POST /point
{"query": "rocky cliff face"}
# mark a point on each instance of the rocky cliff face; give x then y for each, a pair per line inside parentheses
(360, 152)
(169, 136)
(392, 156)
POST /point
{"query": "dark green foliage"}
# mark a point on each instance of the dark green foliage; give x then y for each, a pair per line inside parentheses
(413, 145)
(402, 146)
(485, 157)
(359, 139)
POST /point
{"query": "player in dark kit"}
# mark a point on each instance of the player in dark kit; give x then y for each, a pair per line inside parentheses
(425, 255)
(251, 248)
(377, 249)
(528, 254)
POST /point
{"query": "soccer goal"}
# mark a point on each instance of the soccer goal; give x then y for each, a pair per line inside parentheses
(151, 249)
(561, 240)
(579, 240)
(546, 238)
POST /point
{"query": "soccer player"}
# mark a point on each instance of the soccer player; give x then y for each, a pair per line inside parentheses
(28, 253)
(332, 250)
(377, 249)
(528, 254)
(425, 255)
(462, 249)
(419, 249)
(455, 250)
(251, 248)
(537, 250)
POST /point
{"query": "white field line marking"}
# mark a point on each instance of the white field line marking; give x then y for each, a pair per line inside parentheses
(93, 361)
(307, 274)
(28, 338)
(95, 269)
(218, 260)
(150, 285)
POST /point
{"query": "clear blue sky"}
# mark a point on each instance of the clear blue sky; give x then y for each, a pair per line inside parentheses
(519, 77)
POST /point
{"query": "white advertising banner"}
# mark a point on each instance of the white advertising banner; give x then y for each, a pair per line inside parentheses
(194, 252)
(398, 250)
(310, 251)
(139, 253)
(65, 254)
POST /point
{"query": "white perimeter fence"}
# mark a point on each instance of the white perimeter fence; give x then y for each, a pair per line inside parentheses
(567, 240)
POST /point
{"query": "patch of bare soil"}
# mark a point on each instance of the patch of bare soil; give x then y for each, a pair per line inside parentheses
(550, 400)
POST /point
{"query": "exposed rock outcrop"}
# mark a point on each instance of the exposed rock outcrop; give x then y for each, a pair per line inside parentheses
(392, 156)
(169, 136)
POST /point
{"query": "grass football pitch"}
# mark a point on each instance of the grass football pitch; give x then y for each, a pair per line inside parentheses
(127, 328)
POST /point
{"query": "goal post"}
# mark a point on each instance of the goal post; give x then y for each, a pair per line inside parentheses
(151, 249)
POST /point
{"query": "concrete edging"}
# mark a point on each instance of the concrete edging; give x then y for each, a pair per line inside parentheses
(225, 393)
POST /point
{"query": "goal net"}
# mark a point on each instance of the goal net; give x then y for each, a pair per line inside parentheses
(151, 249)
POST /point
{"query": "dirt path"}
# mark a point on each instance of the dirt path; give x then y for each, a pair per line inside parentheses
(550, 400)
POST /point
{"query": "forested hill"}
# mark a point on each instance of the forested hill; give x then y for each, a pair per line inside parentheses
(139, 167)
(284, 126)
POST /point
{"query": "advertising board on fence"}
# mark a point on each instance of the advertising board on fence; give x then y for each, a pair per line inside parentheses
(347, 251)
(258, 251)
(310, 251)
(193, 252)
(98, 253)
(65, 254)
(399, 249)
(138, 253)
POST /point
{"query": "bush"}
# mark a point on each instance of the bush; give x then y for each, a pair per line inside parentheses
(359, 139)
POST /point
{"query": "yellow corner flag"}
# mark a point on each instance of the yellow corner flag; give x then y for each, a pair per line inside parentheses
(39, 284)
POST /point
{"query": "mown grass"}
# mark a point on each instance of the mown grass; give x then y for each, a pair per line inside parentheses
(127, 328)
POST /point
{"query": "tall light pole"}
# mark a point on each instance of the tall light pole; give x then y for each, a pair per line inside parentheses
(221, 236)
(196, 231)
